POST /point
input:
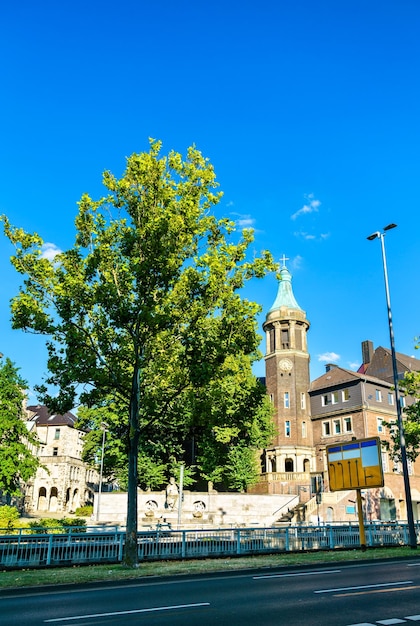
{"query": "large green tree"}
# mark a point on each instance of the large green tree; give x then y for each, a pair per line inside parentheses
(147, 304)
(17, 461)
(227, 420)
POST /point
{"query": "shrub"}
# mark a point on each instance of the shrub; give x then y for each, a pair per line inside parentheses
(85, 511)
(45, 525)
(78, 524)
(8, 517)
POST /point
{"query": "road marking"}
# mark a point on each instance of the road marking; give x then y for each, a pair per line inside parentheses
(333, 571)
(400, 582)
(154, 609)
(413, 618)
(366, 593)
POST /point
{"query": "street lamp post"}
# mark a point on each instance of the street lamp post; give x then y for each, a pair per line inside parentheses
(101, 471)
(410, 517)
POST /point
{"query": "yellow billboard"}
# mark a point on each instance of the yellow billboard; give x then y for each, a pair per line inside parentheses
(355, 465)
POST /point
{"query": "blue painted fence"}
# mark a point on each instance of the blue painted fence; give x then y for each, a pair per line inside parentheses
(88, 545)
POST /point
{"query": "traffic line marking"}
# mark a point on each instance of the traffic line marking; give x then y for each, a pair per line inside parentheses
(400, 582)
(366, 593)
(151, 610)
(389, 622)
(333, 571)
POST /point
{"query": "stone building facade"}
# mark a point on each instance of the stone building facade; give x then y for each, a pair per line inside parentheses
(63, 482)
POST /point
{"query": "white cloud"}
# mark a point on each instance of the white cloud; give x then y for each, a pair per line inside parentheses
(304, 235)
(310, 237)
(296, 262)
(328, 357)
(244, 221)
(311, 206)
(50, 251)
(354, 366)
(230, 203)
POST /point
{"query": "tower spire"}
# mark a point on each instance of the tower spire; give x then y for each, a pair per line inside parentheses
(285, 296)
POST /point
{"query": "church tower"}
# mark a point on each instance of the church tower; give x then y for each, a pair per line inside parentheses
(287, 381)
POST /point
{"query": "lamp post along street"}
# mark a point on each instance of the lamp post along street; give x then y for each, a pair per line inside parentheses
(101, 471)
(408, 500)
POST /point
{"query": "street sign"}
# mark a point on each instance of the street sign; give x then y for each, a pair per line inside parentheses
(355, 465)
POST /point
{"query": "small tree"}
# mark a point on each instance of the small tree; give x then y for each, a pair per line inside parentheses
(409, 386)
(145, 307)
(17, 463)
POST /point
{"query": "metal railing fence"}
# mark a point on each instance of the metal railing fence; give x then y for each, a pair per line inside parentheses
(106, 546)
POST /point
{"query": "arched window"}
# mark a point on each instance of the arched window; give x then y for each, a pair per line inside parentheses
(330, 514)
(288, 465)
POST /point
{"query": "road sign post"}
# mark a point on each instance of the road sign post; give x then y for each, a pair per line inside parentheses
(356, 464)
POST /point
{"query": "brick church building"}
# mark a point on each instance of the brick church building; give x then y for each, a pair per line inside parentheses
(336, 407)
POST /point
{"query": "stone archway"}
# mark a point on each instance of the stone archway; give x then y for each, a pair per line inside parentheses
(53, 504)
(75, 501)
(42, 504)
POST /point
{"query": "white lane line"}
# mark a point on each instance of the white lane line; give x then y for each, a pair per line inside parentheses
(333, 571)
(413, 618)
(362, 624)
(154, 609)
(391, 622)
(399, 582)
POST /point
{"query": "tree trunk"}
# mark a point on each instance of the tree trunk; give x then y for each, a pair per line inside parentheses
(131, 558)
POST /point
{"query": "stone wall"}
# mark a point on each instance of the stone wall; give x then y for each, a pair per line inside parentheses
(218, 509)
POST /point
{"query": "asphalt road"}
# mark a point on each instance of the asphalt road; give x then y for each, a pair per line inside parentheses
(383, 593)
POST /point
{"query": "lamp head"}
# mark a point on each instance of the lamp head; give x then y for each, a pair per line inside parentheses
(390, 226)
(374, 236)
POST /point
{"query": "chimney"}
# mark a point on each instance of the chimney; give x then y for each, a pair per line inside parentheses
(329, 366)
(367, 352)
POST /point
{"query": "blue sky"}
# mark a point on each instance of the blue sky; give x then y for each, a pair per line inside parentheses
(308, 110)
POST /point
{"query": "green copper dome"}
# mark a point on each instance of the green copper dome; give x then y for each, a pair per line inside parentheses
(285, 295)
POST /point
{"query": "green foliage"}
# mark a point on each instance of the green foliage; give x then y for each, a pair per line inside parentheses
(50, 525)
(85, 511)
(409, 386)
(17, 463)
(45, 526)
(242, 468)
(143, 312)
(233, 415)
(8, 517)
(77, 524)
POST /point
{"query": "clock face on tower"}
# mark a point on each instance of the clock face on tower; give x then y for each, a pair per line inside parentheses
(286, 365)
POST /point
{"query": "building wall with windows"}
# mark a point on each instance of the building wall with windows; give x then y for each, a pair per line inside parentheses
(63, 482)
(346, 405)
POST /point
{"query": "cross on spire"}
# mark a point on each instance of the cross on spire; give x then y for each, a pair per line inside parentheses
(284, 259)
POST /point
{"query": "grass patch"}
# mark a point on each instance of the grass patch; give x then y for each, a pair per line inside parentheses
(96, 573)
